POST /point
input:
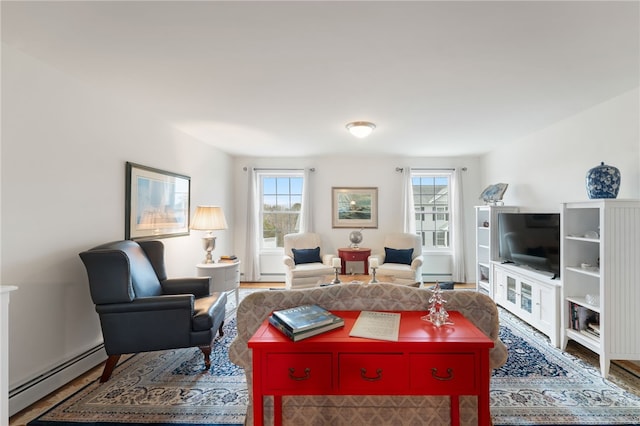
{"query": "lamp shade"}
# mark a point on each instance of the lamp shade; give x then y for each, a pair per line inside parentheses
(208, 218)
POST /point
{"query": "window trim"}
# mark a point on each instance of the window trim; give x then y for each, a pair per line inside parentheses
(274, 173)
(449, 174)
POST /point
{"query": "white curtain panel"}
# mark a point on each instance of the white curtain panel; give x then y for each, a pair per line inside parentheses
(457, 237)
(408, 207)
(306, 217)
(252, 260)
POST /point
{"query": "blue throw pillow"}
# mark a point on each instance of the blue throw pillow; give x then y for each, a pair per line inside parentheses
(306, 255)
(402, 256)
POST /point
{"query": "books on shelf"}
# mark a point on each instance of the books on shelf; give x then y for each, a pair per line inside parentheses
(303, 317)
(337, 322)
(584, 320)
(377, 325)
(587, 332)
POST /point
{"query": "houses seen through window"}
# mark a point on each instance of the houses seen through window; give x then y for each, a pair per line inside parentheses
(431, 202)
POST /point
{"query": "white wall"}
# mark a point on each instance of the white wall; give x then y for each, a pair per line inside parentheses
(549, 167)
(64, 148)
(354, 172)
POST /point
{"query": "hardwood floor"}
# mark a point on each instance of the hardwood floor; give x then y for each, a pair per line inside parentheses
(36, 409)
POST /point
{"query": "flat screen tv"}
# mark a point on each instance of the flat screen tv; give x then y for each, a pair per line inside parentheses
(530, 240)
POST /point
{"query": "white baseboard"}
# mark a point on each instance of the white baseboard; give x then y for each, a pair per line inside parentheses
(34, 390)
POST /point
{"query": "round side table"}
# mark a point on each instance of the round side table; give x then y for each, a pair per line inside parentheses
(349, 254)
(225, 276)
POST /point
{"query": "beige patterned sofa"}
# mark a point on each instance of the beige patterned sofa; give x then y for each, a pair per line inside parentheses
(364, 410)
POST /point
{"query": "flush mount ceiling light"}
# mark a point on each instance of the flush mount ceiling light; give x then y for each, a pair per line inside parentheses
(360, 129)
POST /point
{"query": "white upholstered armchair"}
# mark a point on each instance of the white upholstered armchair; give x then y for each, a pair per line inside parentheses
(401, 257)
(305, 263)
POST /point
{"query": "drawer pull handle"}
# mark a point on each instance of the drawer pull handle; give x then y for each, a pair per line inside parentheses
(292, 374)
(449, 376)
(363, 374)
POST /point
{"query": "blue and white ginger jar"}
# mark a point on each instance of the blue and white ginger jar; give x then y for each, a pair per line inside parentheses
(603, 182)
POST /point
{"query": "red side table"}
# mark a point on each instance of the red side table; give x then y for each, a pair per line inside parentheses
(360, 254)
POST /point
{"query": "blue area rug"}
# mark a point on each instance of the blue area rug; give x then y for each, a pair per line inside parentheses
(539, 385)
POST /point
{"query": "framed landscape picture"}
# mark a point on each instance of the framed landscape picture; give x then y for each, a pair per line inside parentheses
(156, 204)
(354, 207)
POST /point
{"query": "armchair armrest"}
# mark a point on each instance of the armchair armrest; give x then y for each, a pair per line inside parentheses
(154, 303)
(147, 323)
(327, 259)
(198, 286)
(380, 256)
(288, 261)
(417, 262)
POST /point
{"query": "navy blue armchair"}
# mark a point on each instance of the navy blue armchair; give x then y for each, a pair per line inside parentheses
(141, 310)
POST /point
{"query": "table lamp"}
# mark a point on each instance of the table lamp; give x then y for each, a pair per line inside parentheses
(208, 218)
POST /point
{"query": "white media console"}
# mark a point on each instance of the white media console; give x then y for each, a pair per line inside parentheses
(531, 295)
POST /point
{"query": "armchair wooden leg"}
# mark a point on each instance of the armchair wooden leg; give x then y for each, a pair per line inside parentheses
(109, 365)
(220, 332)
(206, 350)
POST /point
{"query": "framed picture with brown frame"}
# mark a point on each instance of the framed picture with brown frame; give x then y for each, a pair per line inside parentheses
(156, 203)
(354, 207)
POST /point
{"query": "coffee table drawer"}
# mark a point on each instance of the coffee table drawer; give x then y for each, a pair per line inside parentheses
(446, 372)
(299, 373)
(372, 373)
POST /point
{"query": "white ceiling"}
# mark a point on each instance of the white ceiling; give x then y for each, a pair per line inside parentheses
(283, 78)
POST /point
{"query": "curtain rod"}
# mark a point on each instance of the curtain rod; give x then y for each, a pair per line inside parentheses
(400, 169)
(245, 168)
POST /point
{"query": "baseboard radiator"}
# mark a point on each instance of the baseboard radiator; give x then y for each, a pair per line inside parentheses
(433, 277)
(37, 388)
(437, 267)
(272, 277)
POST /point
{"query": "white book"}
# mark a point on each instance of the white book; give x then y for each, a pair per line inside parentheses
(377, 325)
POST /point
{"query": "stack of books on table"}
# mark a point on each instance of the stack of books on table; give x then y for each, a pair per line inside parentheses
(228, 258)
(304, 321)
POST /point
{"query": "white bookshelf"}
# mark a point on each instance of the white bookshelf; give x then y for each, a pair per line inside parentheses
(487, 244)
(600, 266)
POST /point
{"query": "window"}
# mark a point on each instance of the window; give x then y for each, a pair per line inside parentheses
(281, 195)
(431, 202)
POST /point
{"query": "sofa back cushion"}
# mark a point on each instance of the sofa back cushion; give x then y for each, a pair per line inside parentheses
(256, 307)
(404, 240)
(302, 240)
